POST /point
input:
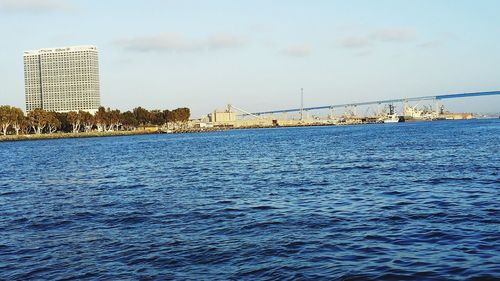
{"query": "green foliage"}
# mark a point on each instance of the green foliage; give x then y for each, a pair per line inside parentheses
(10, 117)
(87, 120)
(156, 117)
(128, 120)
(141, 115)
(18, 119)
(39, 121)
(53, 123)
(65, 125)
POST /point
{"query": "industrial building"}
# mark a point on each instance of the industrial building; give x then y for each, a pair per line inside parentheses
(62, 79)
(226, 116)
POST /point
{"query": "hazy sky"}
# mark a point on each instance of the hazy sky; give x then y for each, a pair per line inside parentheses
(257, 54)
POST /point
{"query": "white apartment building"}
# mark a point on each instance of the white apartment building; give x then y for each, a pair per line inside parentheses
(62, 79)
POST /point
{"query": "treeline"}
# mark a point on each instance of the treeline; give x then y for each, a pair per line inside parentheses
(14, 121)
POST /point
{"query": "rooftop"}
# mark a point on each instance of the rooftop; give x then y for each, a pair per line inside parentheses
(60, 50)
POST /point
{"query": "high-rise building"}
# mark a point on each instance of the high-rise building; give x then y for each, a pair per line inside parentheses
(62, 79)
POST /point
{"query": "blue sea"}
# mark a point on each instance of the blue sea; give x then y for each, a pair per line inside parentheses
(410, 201)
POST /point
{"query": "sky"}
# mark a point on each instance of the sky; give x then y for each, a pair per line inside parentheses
(257, 55)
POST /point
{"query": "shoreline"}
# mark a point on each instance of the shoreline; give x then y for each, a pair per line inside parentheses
(94, 134)
(55, 136)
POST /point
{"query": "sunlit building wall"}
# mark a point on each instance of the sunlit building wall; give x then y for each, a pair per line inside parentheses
(62, 79)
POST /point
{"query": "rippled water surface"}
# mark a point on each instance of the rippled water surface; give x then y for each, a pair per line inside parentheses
(394, 201)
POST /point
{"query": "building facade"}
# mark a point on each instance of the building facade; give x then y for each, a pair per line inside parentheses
(225, 116)
(62, 79)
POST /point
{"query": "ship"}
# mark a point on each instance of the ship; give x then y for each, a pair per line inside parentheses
(392, 117)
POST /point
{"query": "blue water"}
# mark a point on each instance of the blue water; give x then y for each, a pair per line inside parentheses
(391, 202)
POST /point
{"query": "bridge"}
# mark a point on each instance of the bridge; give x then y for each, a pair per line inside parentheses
(436, 98)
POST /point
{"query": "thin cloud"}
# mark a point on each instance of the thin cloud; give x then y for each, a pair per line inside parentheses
(175, 42)
(441, 39)
(223, 41)
(297, 51)
(368, 41)
(35, 6)
(430, 44)
(172, 42)
(353, 42)
(397, 35)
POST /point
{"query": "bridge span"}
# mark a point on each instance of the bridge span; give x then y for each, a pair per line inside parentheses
(434, 98)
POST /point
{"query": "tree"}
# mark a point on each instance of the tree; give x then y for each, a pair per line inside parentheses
(128, 120)
(180, 115)
(52, 122)
(38, 120)
(141, 115)
(156, 117)
(101, 119)
(24, 126)
(74, 118)
(184, 114)
(113, 118)
(5, 118)
(167, 115)
(65, 125)
(18, 119)
(87, 120)
(10, 116)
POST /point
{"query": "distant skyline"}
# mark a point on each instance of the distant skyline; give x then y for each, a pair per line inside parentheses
(258, 54)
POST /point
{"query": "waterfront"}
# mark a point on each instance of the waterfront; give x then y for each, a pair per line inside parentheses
(95, 134)
(415, 200)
